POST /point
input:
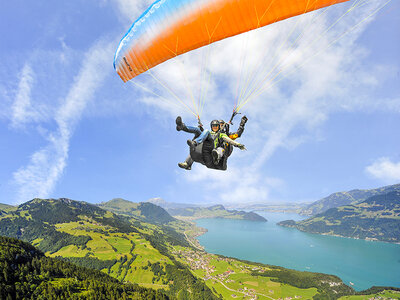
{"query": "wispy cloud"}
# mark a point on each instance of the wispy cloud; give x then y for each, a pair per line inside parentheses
(22, 110)
(385, 170)
(46, 165)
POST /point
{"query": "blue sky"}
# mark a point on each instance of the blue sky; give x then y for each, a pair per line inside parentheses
(69, 127)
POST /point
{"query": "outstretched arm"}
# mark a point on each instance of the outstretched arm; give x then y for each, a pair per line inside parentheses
(232, 142)
(241, 126)
(240, 130)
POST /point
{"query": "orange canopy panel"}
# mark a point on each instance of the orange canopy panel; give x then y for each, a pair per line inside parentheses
(172, 27)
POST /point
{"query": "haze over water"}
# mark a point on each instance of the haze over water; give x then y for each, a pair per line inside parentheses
(361, 262)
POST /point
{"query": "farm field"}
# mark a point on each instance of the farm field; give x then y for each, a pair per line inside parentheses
(131, 252)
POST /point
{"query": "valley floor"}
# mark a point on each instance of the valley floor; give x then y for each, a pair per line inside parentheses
(233, 279)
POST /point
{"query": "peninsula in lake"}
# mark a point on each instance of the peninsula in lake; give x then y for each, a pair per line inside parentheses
(376, 218)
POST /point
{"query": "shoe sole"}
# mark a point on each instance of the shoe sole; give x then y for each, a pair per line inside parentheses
(182, 167)
(215, 157)
(179, 123)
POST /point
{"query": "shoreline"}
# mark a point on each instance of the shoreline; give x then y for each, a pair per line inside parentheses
(367, 239)
(358, 284)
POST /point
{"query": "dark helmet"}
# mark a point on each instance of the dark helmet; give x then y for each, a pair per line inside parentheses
(215, 123)
(224, 127)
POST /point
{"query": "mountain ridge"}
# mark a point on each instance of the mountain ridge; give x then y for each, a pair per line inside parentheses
(145, 211)
(376, 218)
(345, 198)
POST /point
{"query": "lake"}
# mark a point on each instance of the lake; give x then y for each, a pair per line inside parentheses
(364, 263)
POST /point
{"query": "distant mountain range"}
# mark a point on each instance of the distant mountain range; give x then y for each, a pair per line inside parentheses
(345, 198)
(271, 207)
(159, 211)
(319, 206)
(167, 204)
(184, 212)
(376, 218)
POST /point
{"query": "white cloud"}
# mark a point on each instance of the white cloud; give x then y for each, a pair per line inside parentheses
(384, 169)
(22, 110)
(46, 165)
(31, 98)
(130, 10)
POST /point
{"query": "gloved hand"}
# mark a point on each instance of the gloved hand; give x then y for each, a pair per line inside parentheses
(243, 120)
(241, 147)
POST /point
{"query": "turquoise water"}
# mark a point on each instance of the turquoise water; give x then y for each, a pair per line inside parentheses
(363, 263)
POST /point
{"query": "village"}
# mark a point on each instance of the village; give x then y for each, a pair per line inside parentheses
(200, 260)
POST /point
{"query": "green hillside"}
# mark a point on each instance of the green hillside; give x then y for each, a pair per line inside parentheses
(144, 211)
(375, 293)
(26, 273)
(377, 218)
(6, 207)
(117, 245)
(345, 198)
(216, 211)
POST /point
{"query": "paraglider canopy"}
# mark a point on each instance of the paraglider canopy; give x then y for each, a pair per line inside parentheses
(169, 28)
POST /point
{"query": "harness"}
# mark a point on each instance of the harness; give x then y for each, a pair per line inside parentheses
(202, 154)
(217, 138)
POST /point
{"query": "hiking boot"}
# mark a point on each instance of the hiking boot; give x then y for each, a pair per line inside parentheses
(179, 124)
(191, 143)
(215, 157)
(185, 166)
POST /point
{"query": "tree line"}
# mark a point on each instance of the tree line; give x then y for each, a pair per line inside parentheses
(26, 273)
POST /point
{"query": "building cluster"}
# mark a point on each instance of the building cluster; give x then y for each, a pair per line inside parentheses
(252, 268)
(333, 283)
(251, 293)
(197, 260)
(200, 260)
